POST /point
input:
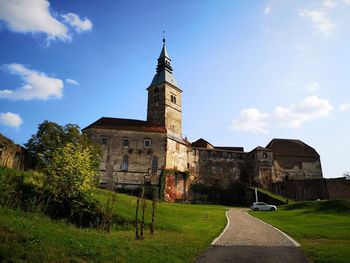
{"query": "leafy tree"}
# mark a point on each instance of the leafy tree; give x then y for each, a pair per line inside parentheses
(72, 171)
(51, 136)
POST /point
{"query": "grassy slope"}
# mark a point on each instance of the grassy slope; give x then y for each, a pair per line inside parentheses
(322, 228)
(182, 232)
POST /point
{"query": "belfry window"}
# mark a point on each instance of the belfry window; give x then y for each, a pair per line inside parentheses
(156, 94)
(154, 165)
(173, 99)
(125, 163)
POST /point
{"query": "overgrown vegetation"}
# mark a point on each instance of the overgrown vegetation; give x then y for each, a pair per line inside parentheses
(321, 227)
(182, 232)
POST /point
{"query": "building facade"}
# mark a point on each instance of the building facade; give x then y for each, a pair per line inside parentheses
(154, 152)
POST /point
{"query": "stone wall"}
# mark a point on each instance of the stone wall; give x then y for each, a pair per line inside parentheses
(219, 166)
(12, 155)
(301, 190)
(139, 157)
(297, 168)
(338, 188)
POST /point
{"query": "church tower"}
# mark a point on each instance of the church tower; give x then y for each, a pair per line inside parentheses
(164, 97)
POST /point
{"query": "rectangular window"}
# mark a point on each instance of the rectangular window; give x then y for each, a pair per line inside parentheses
(125, 142)
(103, 140)
(147, 143)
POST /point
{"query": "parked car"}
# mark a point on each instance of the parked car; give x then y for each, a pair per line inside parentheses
(261, 206)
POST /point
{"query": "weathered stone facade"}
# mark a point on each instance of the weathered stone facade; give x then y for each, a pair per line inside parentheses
(12, 155)
(155, 152)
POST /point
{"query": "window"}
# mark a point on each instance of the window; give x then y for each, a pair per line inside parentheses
(125, 142)
(125, 163)
(156, 94)
(103, 140)
(173, 99)
(154, 165)
(265, 155)
(147, 143)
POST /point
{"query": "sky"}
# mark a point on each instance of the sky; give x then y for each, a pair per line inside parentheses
(250, 71)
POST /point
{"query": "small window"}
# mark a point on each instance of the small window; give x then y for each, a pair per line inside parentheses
(125, 142)
(173, 99)
(154, 165)
(265, 155)
(147, 143)
(103, 140)
(125, 163)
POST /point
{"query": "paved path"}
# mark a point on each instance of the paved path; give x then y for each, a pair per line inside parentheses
(248, 239)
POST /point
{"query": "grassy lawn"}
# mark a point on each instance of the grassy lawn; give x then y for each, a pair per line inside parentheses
(182, 232)
(322, 228)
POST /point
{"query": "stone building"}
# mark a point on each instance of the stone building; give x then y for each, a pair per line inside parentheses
(154, 152)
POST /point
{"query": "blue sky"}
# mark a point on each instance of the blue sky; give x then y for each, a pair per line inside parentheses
(250, 70)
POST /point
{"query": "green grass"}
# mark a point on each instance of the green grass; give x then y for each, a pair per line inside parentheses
(183, 231)
(322, 228)
(275, 196)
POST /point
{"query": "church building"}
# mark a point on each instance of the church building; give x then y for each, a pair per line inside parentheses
(153, 151)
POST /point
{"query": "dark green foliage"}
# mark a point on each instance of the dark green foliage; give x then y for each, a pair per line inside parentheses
(51, 136)
(19, 190)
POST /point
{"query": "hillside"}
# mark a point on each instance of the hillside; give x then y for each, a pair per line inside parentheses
(321, 227)
(182, 232)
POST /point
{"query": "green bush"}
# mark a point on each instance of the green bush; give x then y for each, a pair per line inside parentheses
(23, 190)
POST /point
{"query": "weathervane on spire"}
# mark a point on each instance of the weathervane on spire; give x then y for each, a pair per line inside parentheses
(163, 33)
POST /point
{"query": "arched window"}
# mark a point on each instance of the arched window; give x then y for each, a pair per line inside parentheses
(125, 163)
(156, 94)
(154, 166)
(174, 99)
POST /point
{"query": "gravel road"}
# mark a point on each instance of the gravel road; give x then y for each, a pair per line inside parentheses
(248, 239)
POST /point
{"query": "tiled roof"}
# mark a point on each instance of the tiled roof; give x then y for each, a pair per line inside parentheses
(125, 124)
(291, 148)
(201, 143)
(235, 149)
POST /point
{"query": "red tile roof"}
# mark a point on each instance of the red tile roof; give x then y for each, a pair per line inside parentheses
(125, 124)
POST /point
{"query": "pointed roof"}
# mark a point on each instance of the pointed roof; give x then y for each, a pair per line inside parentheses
(164, 69)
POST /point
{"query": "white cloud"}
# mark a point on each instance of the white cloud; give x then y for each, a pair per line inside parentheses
(72, 81)
(293, 116)
(36, 85)
(320, 20)
(78, 24)
(344, 107)
(329, 4)
(267, 10)
(347, 2)
(313, 86)
(251, 120)
(34, 16)
(306, 110)
(10, 119)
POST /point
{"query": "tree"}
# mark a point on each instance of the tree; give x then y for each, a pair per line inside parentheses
(72, 171)
(51, 136)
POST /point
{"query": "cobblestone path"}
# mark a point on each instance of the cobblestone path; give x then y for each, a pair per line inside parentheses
(248, 239)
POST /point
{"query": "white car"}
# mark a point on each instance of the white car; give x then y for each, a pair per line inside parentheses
(261, 206)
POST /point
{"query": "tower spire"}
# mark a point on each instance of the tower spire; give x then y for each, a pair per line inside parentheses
(164, 68)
